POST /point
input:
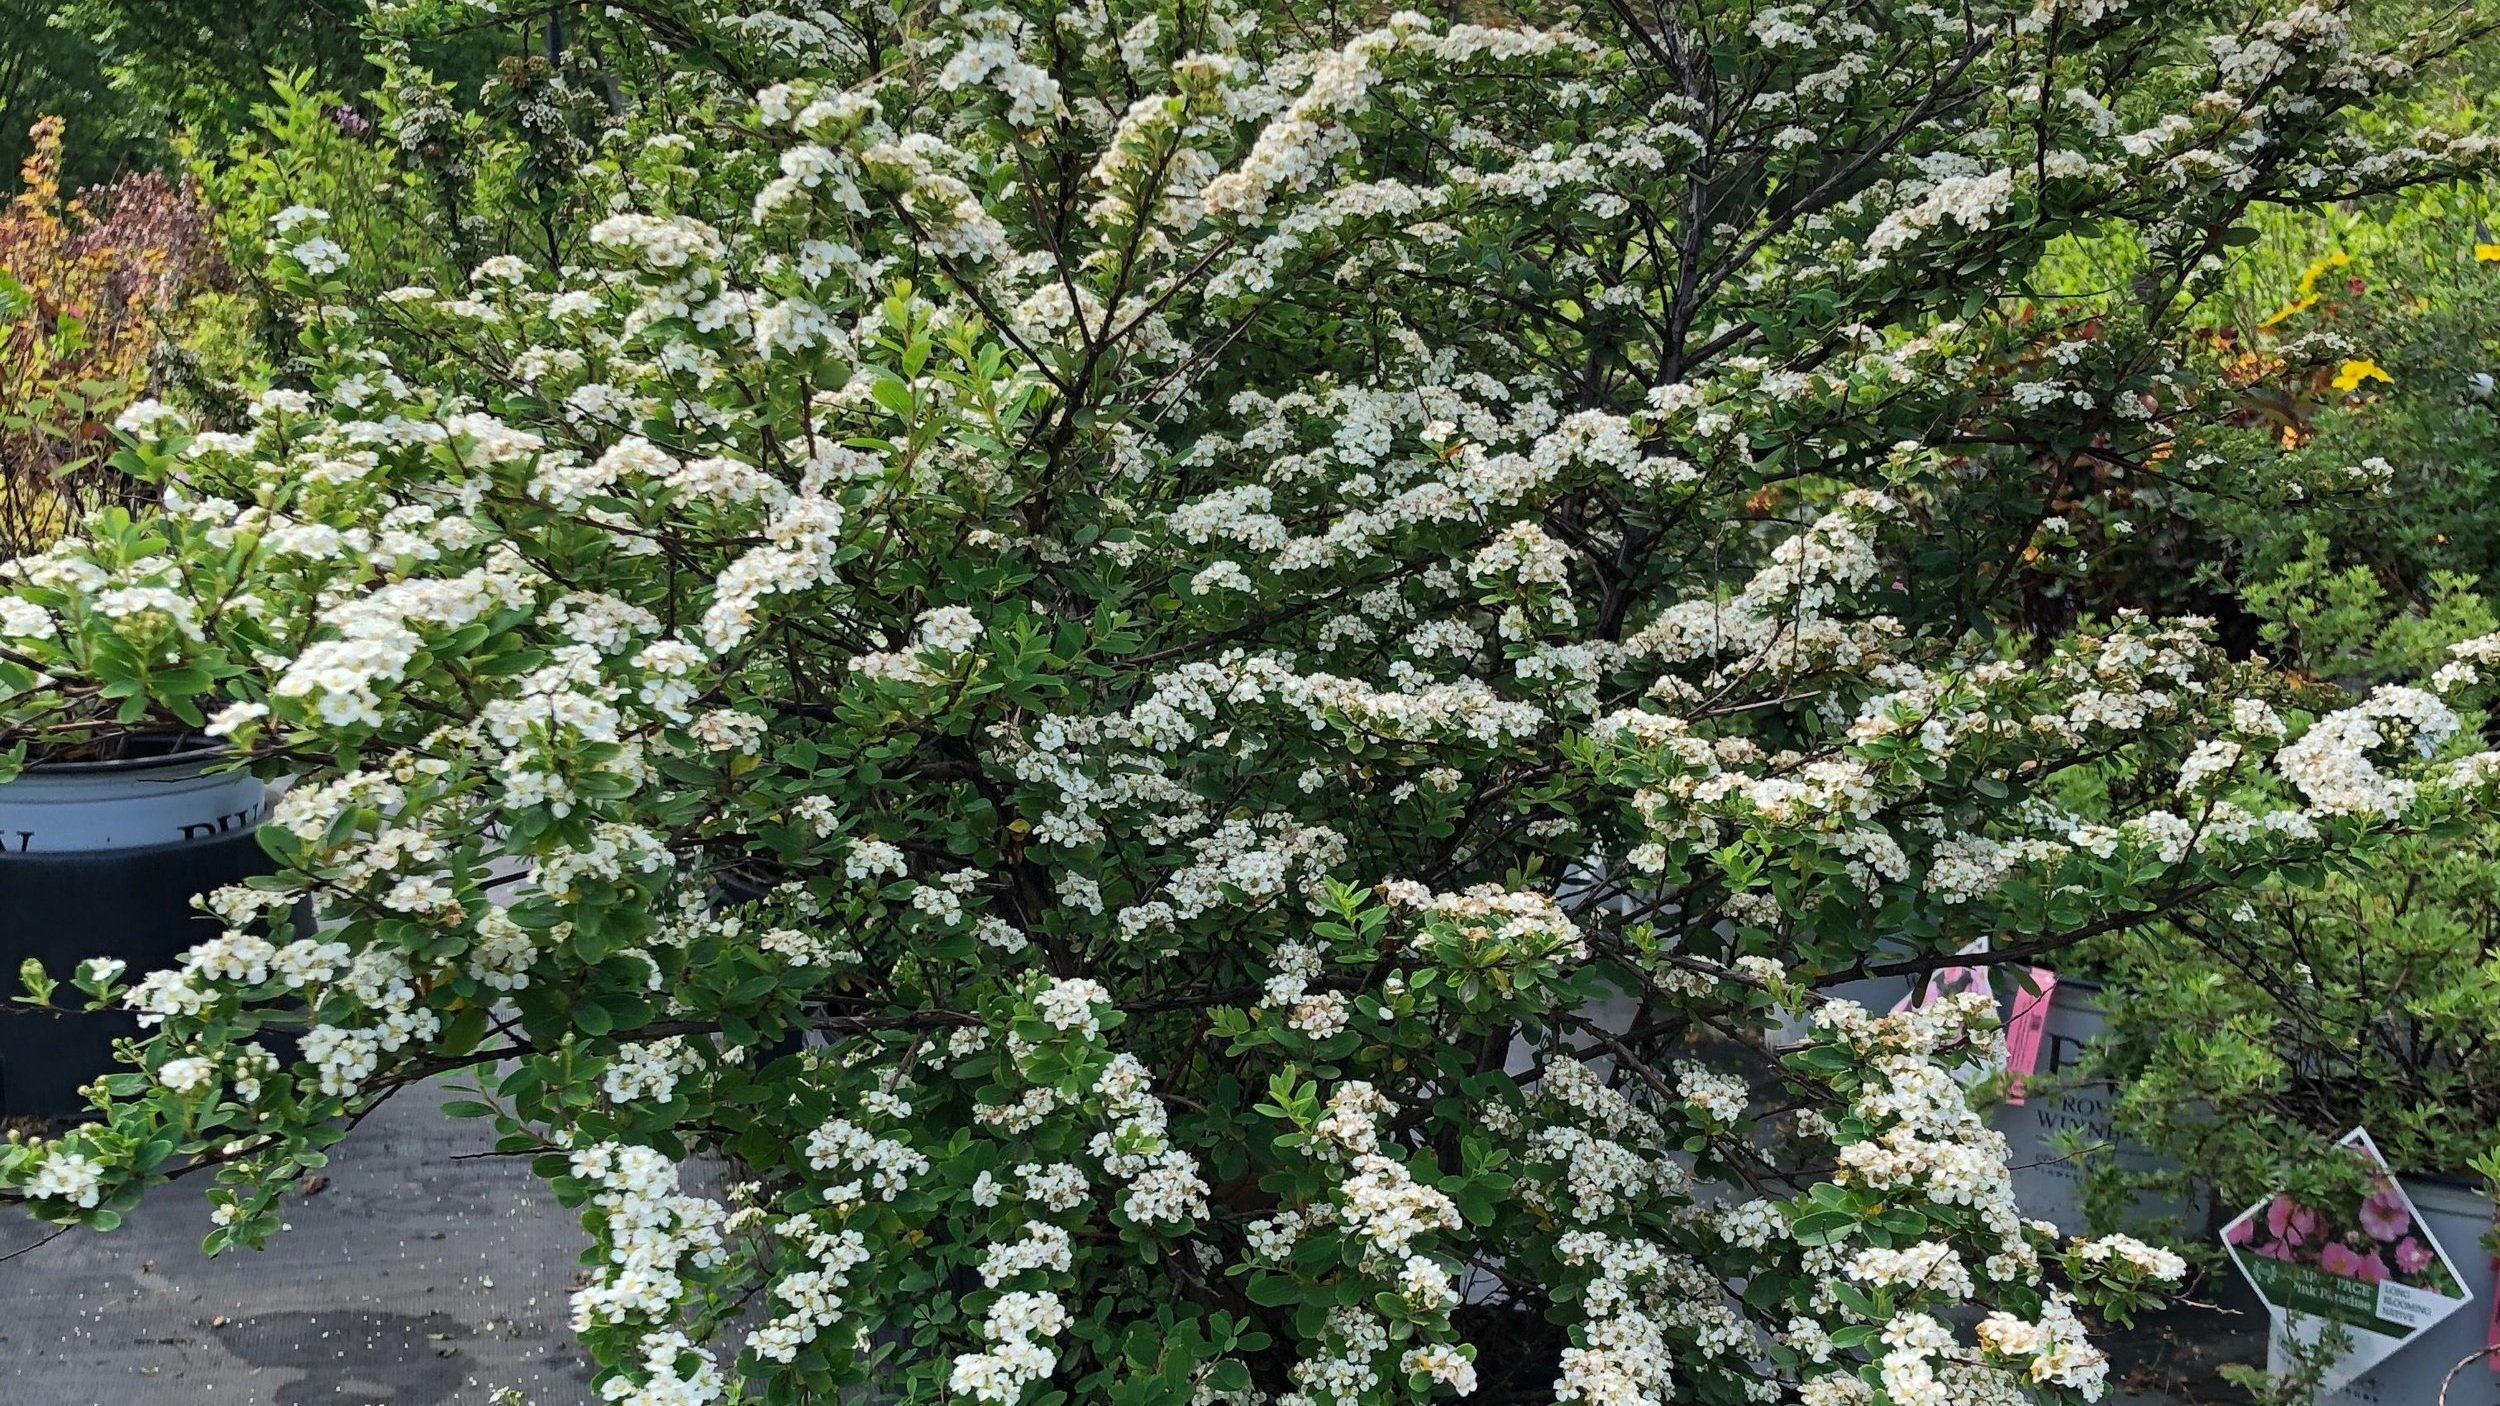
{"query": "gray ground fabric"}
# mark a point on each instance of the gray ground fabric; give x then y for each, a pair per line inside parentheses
(414, 1277)
(421, 1277)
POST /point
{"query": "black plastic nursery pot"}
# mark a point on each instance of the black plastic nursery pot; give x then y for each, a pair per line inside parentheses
(102, 859)
(134, 904)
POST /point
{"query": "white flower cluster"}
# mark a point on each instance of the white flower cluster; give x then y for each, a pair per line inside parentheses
(885, 1165)
(1532, 924)
(1014, 1358)
(1164, 1183)
(651, 1237)
(68, 1177)
(2336, 762)
(812, 1297)
(1067, 1003)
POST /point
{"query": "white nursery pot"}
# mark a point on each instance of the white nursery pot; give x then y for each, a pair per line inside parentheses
(2458, 1214)
(137, 803)
(2047, 1184)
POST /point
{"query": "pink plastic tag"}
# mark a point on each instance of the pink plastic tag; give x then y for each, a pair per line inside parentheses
(2491, 1335)
(2025, 1028)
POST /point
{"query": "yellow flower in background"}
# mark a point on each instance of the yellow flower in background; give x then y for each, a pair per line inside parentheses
(2487, 253)
(2356, 372)
(2307, 296)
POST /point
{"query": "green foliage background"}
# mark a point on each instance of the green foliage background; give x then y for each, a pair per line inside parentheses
(129, 75)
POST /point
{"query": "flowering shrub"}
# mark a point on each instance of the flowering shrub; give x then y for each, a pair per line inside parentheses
(1197, 688)
(87, 286)
(2249, 1038)
(429, 190)
(2258, 1033)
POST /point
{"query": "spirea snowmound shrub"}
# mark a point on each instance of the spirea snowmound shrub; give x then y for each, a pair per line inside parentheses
(1284, 648)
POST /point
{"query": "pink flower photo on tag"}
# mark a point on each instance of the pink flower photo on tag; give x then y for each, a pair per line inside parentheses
(2412, 1257)
(2384, 1215)
(2345, 1262)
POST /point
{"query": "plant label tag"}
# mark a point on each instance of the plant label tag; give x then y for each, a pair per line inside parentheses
(2491, 1334)
(2025, 1027)
(2373, 1266)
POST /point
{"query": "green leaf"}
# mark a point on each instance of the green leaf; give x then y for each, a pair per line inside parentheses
(591, 1018)
(1273, 1290)
(1823, 1227)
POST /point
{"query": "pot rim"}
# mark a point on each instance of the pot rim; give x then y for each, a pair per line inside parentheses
(189, 750)
(82, 860)
(2080, 984)
(2454, 1181)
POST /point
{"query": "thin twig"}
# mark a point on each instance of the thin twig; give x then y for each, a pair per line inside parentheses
(56, 1234)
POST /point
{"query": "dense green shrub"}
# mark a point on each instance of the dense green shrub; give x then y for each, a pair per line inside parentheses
(129, 74)
(2248, 1039)
(2404, 291)
(1284, 643)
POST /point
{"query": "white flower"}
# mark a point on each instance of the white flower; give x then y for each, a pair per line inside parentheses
(25, 620)
(68, 1176)
(150, 419)
(186, 1076)
(950, 629)
(294, 217)
(319, 255)
(1222, 576)
(1068, 1003)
